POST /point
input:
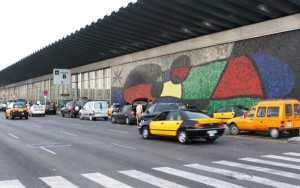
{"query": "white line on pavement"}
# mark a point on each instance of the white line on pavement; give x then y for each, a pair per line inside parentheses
(292, 166)
(68, 133)
(105, 181)
(292, 153)
(76, 124)
(37, 126)
(58, 181)
(11, 184)
(123, 146)
(117, 131)
(12, 135)
(282, 158)
(48, 150)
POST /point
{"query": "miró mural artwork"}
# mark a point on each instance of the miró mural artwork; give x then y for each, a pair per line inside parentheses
(243, 73)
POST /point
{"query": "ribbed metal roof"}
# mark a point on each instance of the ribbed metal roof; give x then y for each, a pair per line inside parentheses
(143, 25)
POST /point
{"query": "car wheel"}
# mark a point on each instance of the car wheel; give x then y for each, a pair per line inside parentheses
(274, 133)
(127, 121)
(26, 117)
(211, 140)
(6, 116)
(62, 114)
(91, 118)
(183, 138)
(11, 117)
(146, 133)
(106, 118)
(70, 114)
(113, 120)
(234, 130)
(80, 117)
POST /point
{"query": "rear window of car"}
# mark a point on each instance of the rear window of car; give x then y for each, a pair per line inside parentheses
(194, 115)
(127, 108)
(19, 105)
(100, 105)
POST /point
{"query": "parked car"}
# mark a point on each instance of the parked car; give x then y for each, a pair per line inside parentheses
(16, 110)
(50, 109)
(157, 108)
(113, 108)
(37, 110)
(124, 114)
(72, 108)
(273, 117)
(93, 110)
(185, 125)
(2, 106)
(63, 103)
(230, 111)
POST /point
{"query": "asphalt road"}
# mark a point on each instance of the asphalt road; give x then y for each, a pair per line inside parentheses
(53, 151)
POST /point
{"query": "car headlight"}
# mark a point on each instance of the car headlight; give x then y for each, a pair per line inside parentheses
(76, 108)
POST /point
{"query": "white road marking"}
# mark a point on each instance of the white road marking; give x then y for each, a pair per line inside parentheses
(282, 158)
(117, 131)
(292, 166)
(12, 135)
(260, 169)
(242, 176)
(58, 182)
(123, 146)
(151, 179)
(68, 133)
(11, 184)
(36, 125)
(48, 150)
(293, 154)
(76, 124)
(105, 180)
(198, 178)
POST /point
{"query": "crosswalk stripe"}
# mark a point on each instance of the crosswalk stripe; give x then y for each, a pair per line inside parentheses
(292, 153)
(282, 158)
(151, 179)
(105, 180)
(198, 178)
(58, 182)
(242, 176)
(260, 161)
(11, 184)
(260, 169)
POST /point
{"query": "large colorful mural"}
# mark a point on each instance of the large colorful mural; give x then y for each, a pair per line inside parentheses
(243, 72)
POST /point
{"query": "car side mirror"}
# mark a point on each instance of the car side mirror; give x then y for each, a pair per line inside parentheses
(147, 112)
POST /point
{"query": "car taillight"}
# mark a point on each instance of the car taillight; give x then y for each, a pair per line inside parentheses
(132, 113)
(282, 124)
(26, 110)
(221, 124)
(14, 110)
(198, 125)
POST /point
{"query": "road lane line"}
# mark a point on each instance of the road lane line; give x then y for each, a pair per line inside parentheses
(57, 182)
(48, 150)
(105, 181)
(11, 184)
(279, 141)
(117, 131)
(197, 178)
(260, 169)
(37, 126)
(123, 146)
(260, 161)
(77, 124)
(242, 176)
(151, 179)
(292, 153)
(68, 133)
(12, 135)
(282, 158)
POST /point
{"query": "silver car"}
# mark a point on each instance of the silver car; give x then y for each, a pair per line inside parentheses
(93, 110)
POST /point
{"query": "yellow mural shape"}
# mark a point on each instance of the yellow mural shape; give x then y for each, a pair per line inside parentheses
(171, 90)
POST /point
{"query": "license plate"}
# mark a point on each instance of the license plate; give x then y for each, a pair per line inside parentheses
(22, 113)
(212, 133)
(20, 110)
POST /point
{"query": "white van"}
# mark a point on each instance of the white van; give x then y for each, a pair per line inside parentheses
(93, 110)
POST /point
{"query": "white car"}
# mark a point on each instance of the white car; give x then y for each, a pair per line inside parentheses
(93, 110)
(37, 110)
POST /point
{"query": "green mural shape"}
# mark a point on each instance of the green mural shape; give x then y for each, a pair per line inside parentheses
(202, 80)
(216, 104)
(159, 79)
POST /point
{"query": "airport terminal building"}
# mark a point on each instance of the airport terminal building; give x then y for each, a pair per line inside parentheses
(204, 53)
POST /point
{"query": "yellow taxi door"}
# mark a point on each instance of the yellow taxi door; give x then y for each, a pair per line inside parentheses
(296, 116)
(157, 123)
(289, 119)
(248, 120)
(259, 121)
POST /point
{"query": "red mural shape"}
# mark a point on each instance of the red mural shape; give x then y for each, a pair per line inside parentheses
(142, 90)
(181, 73)
(240, 79)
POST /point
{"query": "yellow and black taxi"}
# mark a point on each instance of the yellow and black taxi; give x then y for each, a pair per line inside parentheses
(16, 110)
(185, 125)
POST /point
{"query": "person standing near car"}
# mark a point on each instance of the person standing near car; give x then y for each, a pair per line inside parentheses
(138, 112)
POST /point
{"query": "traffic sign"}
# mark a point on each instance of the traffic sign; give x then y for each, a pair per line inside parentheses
(62, 76)
(45, 93)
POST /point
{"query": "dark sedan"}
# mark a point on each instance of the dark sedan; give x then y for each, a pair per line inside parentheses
(124, 114)
(185, 125)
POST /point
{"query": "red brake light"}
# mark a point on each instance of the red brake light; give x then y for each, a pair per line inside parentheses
(132, 113)
(198, 125)
(14, 110)
(221, 124)
(282, 124)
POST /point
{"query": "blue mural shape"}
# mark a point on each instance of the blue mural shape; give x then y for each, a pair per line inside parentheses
(277, 77)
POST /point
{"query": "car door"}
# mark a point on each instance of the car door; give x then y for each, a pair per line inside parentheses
(156, 124)
(224, 113)
(260, 120)
(296, 115)
(247, 121)
(118, 114)
(171, 124)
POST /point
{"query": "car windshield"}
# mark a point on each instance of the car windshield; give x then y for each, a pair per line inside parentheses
(194, 115)
(19, 105)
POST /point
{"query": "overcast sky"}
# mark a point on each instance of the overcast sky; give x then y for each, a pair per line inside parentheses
(29, 25)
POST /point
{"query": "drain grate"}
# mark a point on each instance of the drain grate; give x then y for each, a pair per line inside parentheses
(51, 145)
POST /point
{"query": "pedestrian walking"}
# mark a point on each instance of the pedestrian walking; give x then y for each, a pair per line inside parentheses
(138, 112)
